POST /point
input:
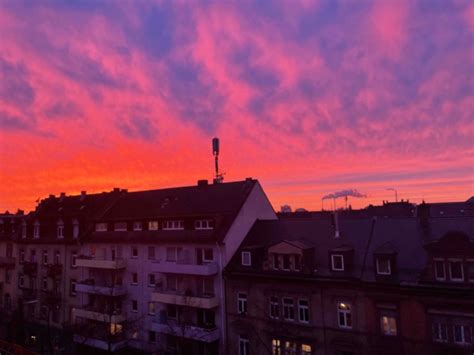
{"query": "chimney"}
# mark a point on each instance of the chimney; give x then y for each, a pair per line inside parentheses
(62, 196)
(202, 183)
(51, 197)
(116, 189)
(83, 195)
(336, 226)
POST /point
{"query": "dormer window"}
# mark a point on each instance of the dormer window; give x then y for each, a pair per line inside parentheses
(60, 229)
(203, 224)
(173, 225)
(75, 229)
(36, 230)
(383, 265)
(456, 270)
(439, 269)
(337, 262)
(120, 226)
(153, 225)
(286, 262)
(137, 226)
(246, 257)
(101, 227)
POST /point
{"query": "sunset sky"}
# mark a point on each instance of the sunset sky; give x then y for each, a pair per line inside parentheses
(308, 97)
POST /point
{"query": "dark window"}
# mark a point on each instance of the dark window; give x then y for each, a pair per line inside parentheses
(456, 271)
(151, 336)
(439, 270)
(286, 262)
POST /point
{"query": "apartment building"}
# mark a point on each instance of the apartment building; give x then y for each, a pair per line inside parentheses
(354, 285)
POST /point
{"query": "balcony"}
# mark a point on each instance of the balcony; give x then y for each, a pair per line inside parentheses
(98, 315)
(30, 267)
(99, 263)
(184, 267)
(115, 344)
(206, 334)
(185, 299)
(54, 270)
(7, 261)
(89, 287)
(52, 299)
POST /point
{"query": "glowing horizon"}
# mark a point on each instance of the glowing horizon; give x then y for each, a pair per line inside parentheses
(309, 98)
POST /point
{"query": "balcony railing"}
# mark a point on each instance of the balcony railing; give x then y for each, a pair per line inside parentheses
(30, 267)
(55, 270)
(187, 298)
(88, 286)
(116, 343)
(185, 267)
(100, 263)
(7, 261)
(205, 333)
(100, 315)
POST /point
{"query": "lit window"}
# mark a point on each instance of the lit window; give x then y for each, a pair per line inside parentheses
(101, 227)
(456, 272)
(388, 325)
(383, 266)
(439, 269)
(153, 225)
(151, 308)
(276, 347)
(120, 226)
(306, 349)
(242, 303)
(201, 224)
(440, 332)
(173, 225)
(244, 346)
(137, 226)
(303, 311)
(115, 328)
(274, 308)
(290, 348)
(134, 252)
(337, 262)
(60, 230)
(288, 309)
(462, 334)
(36, 230)
(344, 315)
(246, 258)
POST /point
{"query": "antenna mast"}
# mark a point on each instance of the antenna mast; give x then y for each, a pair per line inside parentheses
(215, 151)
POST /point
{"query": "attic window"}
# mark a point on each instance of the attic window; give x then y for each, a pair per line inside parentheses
(137, 226)
(173, 225)
(60, 230)
(120, 226)
(246, 257)
(153, 225)
(337, 262)
(36, 230)
(203, 224)
(75, 228)
(383, 265)
(101, 227)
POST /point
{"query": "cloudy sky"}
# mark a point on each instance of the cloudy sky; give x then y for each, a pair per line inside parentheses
(308, 97)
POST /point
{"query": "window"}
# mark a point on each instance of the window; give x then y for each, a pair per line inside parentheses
(337, 262)
(246, 258)
(290, 348)
(151, 308)
(73, 259)
(21, 280)
(288, 309)
(172, 311)
(134, 306)
(274, 307)
(173, 225)
(45, 257)
(344, 315)
(470, 270)
(23, 230)
(134, 278)
(388, 325)
(208, 286)
(75, 229)
(297, 260)
(276, 261)
(9, 251)
(33, 255)
(151, 280)
(462, 334)
(22, 256)
(286, 262)
(303, 311)
(44, 283)
(151, 253)
(172, 282)
(72, 287)
(60, 230)
(276, 346)
(456, 270)
(439, 269)
(207, 255)
(8, 301)
(306, 349)
(8, 276)
(242, 303)
(383, 265)
(151, 336)
(244, 345)
(57, 257)
(120, 226)
(203, 224)
(36, 230)
(440, 332)
(134, 252)
(173, 253)
(153, 225)
(137, 226)
(101, 227)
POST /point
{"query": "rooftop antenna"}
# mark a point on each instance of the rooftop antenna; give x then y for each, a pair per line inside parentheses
(396, 193)
(215, 151)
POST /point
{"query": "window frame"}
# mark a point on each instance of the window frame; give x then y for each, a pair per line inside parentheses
(443, 263)
(287, 308)
(101, 227)
(244, 345)
(333, 257)
(388, 332)
(120, 227)
(242, 302)
(451, 278)
(137, 226)
(243, 254)
(305, 309)
(437, 329)
(345, 313)
(153, 225)
(389, 264)
(274, 305)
